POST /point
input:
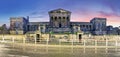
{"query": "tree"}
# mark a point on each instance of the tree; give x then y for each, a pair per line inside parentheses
(1, 30)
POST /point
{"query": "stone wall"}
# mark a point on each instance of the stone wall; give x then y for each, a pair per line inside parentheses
(63, 36)
(18, 32)
(16, 37)
(102, 37)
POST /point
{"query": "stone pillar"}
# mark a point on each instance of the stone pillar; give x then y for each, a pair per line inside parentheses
(74, 27)
(44, 27)
(39, 28)
(79, 28)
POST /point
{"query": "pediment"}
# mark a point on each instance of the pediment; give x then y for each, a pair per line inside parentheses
(59, 11)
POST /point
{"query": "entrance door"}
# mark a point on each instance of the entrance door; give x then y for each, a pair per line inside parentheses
(37, 37)
(80, 37)
(60, 25)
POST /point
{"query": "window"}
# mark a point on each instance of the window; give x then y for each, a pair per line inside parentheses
(90, 26)
(51, 17)
(55, 17)
(60, 25)
(63, 17)
(67, 17)
(83, 25)
(59, 17)
(87, 26)
(77, 28)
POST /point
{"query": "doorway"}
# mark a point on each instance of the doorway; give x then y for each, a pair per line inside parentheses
(80, 37)
(37, 37)
(60, 25)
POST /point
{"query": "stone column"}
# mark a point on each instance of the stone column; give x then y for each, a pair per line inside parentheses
(39, 28)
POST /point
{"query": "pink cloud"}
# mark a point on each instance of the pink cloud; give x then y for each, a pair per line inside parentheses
(112, 18)
(82, 15)
(104, 14)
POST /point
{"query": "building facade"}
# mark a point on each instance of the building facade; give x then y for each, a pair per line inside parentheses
(99, 26)
(59, 24)
(59, 21)
(18, 25)
(113, 31)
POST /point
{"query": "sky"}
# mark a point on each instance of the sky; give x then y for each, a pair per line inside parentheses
(82, 10)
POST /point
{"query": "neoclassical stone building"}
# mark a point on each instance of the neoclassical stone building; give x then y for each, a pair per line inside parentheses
(60, 26)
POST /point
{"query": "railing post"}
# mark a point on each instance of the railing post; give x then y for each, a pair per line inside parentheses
(60, 42)
(106, 46)
(72, 42)
(3, 39)
(116, 45)
(59, 45)
(95, 42)
(35, 40)
(84, 46)
(106, 42)
(13, 39)
(47, 45)
(84, 43)
(95, 46)
(24, 40)
(47, 41)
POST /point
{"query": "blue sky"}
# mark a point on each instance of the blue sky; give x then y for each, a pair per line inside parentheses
(82, 10)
